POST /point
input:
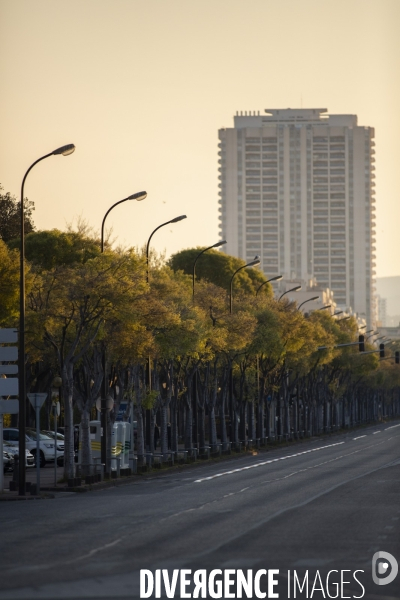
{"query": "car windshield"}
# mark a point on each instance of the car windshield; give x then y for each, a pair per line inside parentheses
(51, 434)
(31, 433)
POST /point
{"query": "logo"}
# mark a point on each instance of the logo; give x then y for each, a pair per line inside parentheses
(385, 564)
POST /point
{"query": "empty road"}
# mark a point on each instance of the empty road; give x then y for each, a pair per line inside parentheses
(323, 505)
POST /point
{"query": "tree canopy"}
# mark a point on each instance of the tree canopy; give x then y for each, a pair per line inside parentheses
(10, 216)
(195, 351)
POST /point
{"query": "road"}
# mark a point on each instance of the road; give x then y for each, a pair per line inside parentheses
(325, 504)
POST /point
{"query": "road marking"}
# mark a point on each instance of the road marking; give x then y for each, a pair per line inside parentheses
(374, 432)
(266, 462)
(359, 437)
(392, 427)
(94, 551)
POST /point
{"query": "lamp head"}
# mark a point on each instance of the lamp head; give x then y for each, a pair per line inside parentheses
(296, 289)
(178, 219)
(138, 196)
(65, 150)
(314, 298)
(218, 244)
(254, 262)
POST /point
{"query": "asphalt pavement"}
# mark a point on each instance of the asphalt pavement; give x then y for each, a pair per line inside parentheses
(326, 505)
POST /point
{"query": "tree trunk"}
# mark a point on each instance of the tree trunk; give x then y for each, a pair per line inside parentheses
(84, 441)
(188, 416)
(67, 391)
(164, 428)
(174, 425)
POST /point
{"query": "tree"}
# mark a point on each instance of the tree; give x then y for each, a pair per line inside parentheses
(10, 220)
(218, 268)
(9, 288)
(54, 248)
(72, 307)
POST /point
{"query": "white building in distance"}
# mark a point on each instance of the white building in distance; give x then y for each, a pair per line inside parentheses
(297, 188)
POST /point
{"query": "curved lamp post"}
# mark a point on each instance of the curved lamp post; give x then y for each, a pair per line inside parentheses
(324, 307)
(253, 263)
(138, 196)
(277, 278)
(295, 289)
(372, 334)
(64, 150)
(152, 233)
(217, 245)
(309, 300)
(148, 369)
(103, 409)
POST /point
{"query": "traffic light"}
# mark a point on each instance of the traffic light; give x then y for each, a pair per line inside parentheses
(397, 357)
(361, 345)
(382, 350)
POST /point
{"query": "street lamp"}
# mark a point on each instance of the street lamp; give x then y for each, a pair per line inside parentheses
(309, 300)
(295, 289)
(153, 232)
(64, 150)
(277, 278)
(194, 407)
(175, 220)
(372, 334)
(253, 263)
(322, 308)
(338, 312)
(138, 196)
(103, 409)
(217, 245)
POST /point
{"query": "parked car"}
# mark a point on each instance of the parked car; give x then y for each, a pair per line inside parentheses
(14, 451)
(46, 444)
(61, 432)
(8, 462)
(60, 438)
(60, 443)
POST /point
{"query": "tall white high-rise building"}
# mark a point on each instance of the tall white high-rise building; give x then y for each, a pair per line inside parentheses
(297, 188)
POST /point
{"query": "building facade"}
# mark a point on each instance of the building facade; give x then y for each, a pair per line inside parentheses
(297, 188)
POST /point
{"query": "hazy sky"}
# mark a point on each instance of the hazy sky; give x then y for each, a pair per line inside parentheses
(142, 87)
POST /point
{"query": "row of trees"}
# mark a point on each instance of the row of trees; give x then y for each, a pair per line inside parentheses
(215, 376)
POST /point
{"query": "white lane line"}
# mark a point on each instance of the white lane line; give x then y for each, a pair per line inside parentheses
(94, 551)
(359, 437)
(392, 427)
(374, 432)
(266, 462)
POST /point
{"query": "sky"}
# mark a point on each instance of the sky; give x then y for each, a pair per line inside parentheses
(141, 87)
